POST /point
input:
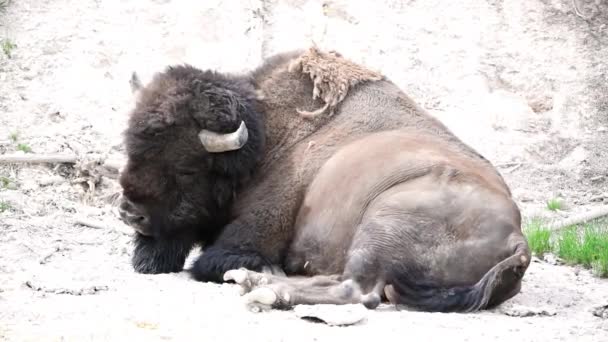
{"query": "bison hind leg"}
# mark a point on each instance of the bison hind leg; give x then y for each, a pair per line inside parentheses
(263, 292)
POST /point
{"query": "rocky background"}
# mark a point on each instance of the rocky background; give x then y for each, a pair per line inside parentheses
(525, 82)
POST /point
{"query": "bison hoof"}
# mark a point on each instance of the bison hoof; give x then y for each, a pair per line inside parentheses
(247, 280)
(238, 276)
(260, 299)
(267, 298)
(259, 295)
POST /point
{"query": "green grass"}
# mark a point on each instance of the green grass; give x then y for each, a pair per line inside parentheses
(4, 206)
(539, 238)
(588, 247)
(24, 147)
(4, 182)
(568, 245)
(555, 204)
(14, 136)
(585, 245)
(7, 47)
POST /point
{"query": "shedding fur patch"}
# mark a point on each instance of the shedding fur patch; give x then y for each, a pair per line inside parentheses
(332, 76)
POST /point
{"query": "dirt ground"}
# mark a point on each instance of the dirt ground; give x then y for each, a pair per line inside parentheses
(524, 82)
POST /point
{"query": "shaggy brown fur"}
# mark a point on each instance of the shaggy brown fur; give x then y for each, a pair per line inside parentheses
(379, 201)
(332, 75)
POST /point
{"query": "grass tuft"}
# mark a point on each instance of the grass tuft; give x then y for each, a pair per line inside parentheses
(14, 136)
(4, 182)
(555, 204)
(24, 147)
(7, 47)
(585, 245)
(4, 206)
(567, 245)
(588, 248)
(539, 237)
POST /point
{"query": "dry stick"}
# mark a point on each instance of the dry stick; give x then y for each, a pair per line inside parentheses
(53, 159)
(90, 223)
(581, 218)
(38, 158)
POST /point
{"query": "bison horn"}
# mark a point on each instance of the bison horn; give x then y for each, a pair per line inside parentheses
(217, 142)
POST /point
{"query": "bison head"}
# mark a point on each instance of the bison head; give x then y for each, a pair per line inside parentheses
(192, 139)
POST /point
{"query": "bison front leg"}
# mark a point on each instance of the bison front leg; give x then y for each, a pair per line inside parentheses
(152, 256)
(215, 261)
(259, 236)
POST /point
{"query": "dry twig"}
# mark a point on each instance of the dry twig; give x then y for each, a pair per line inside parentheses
(75, 292)
(581, 218)
(109, 164)
(90, 223)
(38, 158)
(48, 257)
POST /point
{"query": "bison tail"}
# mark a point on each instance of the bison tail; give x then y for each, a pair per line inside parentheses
(500, 283)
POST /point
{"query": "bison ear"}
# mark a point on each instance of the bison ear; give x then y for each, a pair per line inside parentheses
(136, 85)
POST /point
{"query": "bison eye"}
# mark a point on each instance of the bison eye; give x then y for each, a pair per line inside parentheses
(187, 172)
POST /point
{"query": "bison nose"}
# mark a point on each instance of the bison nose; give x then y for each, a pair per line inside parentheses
(131, 216)
(132, 219)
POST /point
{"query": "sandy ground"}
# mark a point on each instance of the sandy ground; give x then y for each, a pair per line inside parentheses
(524, 82)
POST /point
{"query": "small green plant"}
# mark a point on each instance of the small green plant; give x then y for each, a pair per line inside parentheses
(24, 147)
(4, 182)
(14, 136)
(588, 248)
(539, 237)
(7, 47)
(568, 244)
(4, 206)
(586, 245)
(555, 204)
(600, 266)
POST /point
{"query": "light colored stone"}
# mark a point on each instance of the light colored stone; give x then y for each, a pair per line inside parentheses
(342, 315)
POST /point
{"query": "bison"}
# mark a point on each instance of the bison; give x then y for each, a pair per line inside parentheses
(366, 199)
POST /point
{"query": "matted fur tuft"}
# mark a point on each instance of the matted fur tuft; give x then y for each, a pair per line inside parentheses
(332, 76)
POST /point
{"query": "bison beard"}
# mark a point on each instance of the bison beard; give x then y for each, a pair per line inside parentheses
(159, 255)
(258, 186)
